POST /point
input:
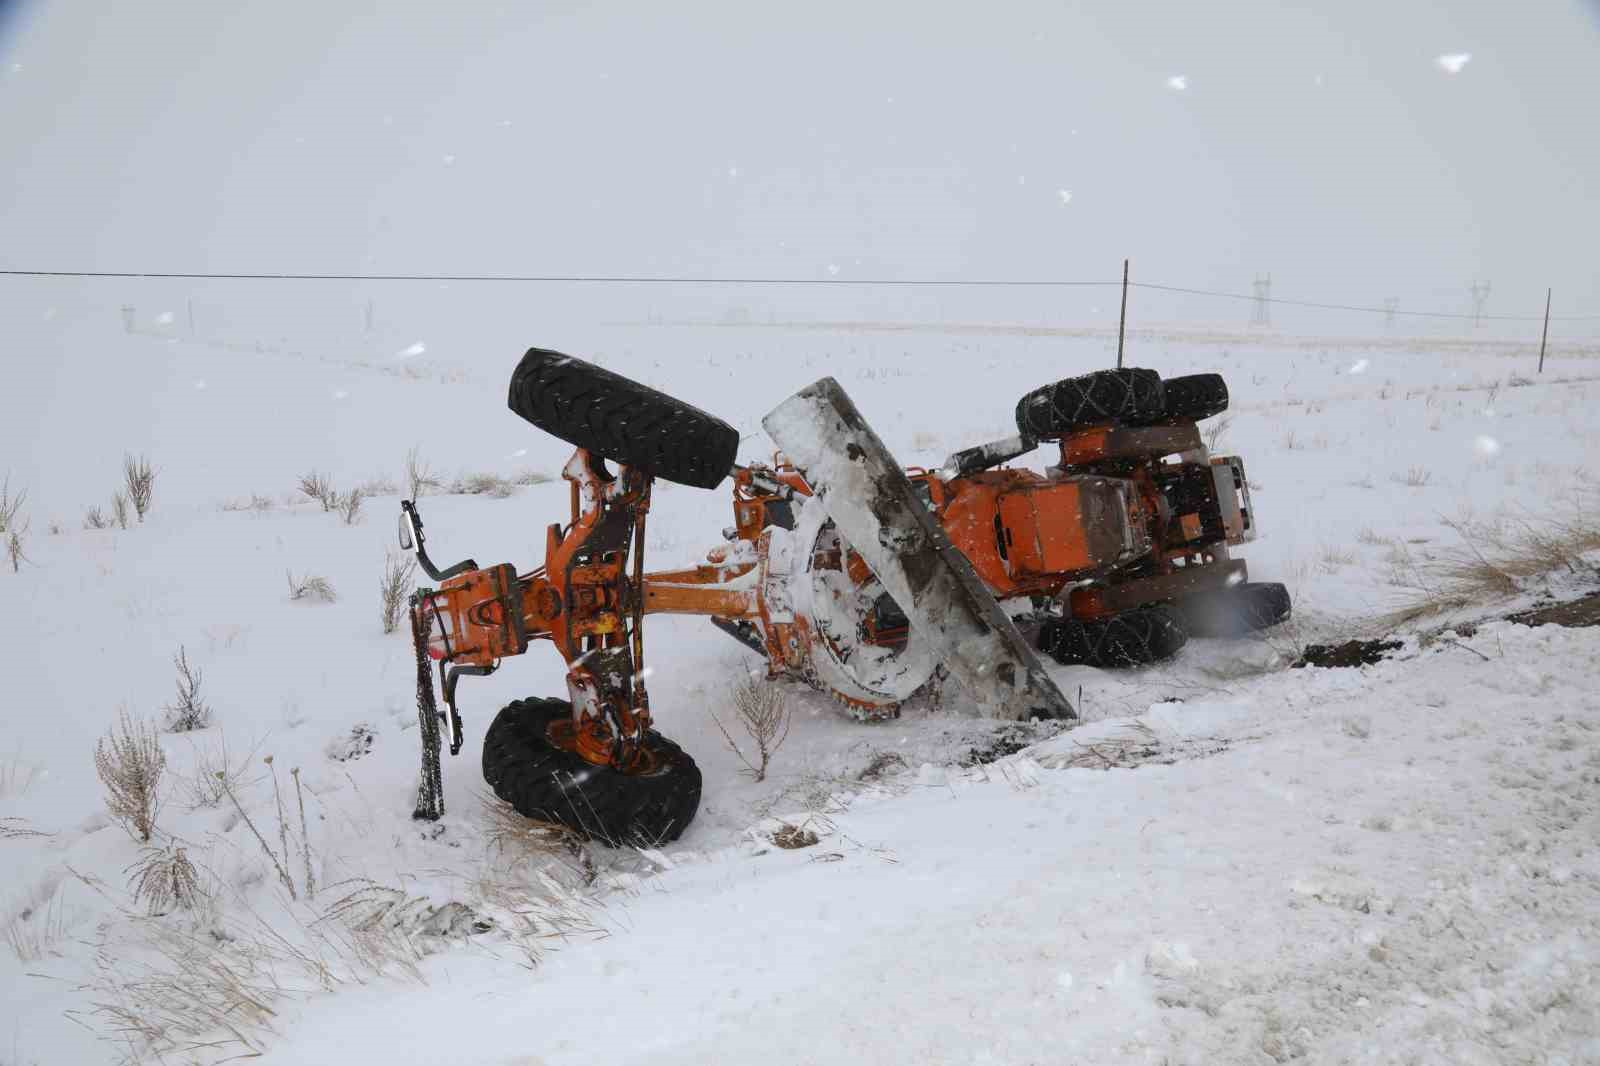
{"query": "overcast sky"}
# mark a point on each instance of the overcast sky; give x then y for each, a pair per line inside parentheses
(1208, 141)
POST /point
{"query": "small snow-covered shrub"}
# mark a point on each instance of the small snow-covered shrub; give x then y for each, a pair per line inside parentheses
(349, 506)
(94, 518)
(399, 576)
(189, 712)
(420, 477)
(762, 711)
(311, 587)
(483, 484)
(130, 762)
(119, 510)
(140, 479)
(319, 487)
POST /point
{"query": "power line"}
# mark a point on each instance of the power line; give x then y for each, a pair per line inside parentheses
(627, 279)
(1354, 307)
(573, 279)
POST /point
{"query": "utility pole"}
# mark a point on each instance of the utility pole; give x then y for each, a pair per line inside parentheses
(1546, 334)
(1480, 296)
(1390, 306)
(1122, 322)
(1262, 316)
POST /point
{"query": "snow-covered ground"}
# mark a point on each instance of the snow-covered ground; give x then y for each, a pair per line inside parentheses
(1387, 864)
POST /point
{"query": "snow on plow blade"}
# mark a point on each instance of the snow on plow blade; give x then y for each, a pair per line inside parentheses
(876, 508)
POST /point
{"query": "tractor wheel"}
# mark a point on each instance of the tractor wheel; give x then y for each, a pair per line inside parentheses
(622, 420)
(1234, 610)
(1196, 396)
(1132, 638)
(551, 784)
(1129, 396)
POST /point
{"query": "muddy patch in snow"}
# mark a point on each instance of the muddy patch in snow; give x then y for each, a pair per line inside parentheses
(1350, 653)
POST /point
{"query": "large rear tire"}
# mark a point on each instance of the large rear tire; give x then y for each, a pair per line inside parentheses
(1133, 638)
(619, 419)
(545, 782)
(1195, 396)
(1129, 396)
(1234, 610)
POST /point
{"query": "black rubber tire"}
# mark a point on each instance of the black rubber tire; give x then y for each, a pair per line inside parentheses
(541, 781)
(619, 419)
(1131, 396)
(1196, 396)
(1133, 638)
(1235, 610)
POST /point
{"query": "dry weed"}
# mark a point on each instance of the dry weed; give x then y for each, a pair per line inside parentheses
(762, 710)
(130, 762)
(399, 578)
(164, 878)
(311, 587)
(190, 711)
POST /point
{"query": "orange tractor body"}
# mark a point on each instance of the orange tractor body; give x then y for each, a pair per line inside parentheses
(1129, 517)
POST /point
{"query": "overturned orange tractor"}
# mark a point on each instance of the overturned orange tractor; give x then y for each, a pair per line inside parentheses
(868, 581)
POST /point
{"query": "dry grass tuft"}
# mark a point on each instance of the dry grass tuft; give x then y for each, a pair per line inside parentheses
(1494, 561)
(311, 587)
(130, 762)
(10, 505)
(1416, 477)
(762, 710)
(17, 777)
(139, 477)
(33, 928)
(163, 879)
(399, 578)
(120, 512)
(94, 518)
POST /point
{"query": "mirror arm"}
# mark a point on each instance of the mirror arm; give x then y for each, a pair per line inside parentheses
(409, 509)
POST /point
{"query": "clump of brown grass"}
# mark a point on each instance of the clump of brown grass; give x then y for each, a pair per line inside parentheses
(1495, 560)
(164, 878)
(130, 762)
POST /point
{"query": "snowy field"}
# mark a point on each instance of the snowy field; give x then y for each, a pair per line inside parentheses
(1231, 861)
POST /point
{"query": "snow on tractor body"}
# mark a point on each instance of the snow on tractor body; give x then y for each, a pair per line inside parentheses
(1110, 557)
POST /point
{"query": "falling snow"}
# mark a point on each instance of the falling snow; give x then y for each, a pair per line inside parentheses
(1178, 82)
(1453, 62)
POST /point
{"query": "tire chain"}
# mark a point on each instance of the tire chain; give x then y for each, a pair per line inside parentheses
(1133, 638)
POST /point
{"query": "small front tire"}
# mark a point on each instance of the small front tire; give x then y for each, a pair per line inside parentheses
(548, 783)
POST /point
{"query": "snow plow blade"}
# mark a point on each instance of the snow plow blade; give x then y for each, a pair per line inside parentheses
(876, 508)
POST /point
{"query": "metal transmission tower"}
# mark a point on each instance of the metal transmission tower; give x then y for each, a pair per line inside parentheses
(1262, 315)
(1480, 296)
(1390, 306)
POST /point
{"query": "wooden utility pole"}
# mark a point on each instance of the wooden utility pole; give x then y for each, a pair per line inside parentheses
(1546, 334)
(1122, 322)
